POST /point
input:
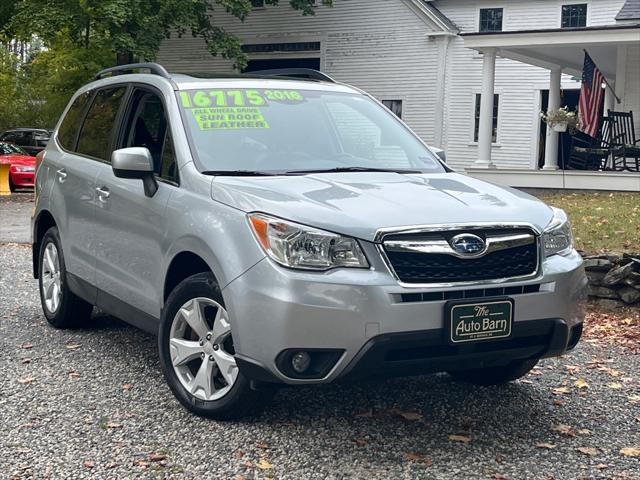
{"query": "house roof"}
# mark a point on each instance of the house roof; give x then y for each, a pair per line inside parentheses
(443, 18)
(629, 11)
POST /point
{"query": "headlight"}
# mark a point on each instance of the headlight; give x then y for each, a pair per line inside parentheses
(557, 237)
(299, 246)
(22, 168)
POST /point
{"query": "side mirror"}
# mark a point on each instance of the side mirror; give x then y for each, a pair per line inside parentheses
(135, 162)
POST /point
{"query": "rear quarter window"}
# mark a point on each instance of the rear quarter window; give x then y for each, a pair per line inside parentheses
(70, 125)
(95, 135)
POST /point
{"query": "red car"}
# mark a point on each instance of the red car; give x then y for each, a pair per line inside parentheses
(22, 169)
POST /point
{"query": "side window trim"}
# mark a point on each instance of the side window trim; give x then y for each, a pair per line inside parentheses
(128, 111)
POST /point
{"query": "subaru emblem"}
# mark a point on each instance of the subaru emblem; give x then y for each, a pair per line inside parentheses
(468, 244)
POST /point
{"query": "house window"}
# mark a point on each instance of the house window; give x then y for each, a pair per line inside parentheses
(476, 125)
(490, 20)
(574, 15)
(395, 106)
(257, 3)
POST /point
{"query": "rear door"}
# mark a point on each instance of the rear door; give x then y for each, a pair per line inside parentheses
(85, 139)
(130, 249)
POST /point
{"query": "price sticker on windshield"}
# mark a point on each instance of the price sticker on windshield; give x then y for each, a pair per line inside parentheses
(238, 98)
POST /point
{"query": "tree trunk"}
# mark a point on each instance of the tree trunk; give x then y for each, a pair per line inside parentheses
(124, 58)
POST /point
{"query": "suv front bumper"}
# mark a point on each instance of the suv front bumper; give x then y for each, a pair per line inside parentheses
(361, 315)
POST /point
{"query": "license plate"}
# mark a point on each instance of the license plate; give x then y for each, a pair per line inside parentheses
(472, 322)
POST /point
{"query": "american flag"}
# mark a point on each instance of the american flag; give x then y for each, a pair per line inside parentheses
(591, 94)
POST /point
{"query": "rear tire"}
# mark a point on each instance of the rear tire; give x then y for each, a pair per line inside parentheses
(197, 355)
(61, 307)
(12, 187)
(495, 375)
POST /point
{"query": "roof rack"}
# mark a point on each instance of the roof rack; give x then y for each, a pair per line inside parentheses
(300, 73)
(154, 68)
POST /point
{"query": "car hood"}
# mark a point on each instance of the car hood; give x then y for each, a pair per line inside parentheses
(19, 160)
(358, 204)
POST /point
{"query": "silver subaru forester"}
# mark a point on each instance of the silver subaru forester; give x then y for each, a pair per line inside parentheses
(283, 228)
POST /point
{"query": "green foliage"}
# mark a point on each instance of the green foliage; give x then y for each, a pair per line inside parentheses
(83, 36)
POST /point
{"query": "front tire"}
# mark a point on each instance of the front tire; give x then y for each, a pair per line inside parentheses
(197, 354)
(61, 307)
(495, 375)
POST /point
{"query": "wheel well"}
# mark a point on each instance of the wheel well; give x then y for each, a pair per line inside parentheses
(44, 222)
(183, 266)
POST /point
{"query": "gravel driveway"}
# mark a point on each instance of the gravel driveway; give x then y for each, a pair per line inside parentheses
(92, 403)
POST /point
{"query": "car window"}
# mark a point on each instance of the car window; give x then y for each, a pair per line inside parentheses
(169, 166)
(147, 127)
(95, 135)
(11, 149)
(15, 137)
(70, 125)
(297, 130)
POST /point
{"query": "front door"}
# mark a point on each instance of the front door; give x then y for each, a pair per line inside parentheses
(133, 226)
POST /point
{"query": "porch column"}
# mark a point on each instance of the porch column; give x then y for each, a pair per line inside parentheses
(485, 128)
(551, 145)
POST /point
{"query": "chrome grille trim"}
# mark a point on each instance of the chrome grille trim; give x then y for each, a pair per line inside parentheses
(426, 229)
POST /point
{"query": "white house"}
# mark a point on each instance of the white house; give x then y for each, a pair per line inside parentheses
(432, 61)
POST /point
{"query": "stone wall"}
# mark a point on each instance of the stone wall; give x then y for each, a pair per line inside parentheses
(615, 277)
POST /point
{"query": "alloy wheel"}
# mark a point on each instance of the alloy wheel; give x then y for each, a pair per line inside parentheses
(51, 281)
(201, 349)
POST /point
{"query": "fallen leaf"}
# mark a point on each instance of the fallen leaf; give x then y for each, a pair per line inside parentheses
(111, 465)
(157, 457)
(572, 368)
(560, 390)
(73, 346)
(564, 430)
(630, 451)
(498, 476)
(26, 361)
(615, 385)
(460, 438)
(239, 477)
(263, 464)
(88, 464)
(126, 386)
(584, 431)
(558, 403)
(262, 445)
(26, 380)
(26, 346)
(74, 374)
(416, 457)
(601, 466)
(548, 446)
(581, 383)
(113, 425)
(591, 451)
(500, 458)
(413, 416)
(634, 398)
(141, 463)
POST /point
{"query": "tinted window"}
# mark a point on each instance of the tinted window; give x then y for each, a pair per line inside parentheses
(71, 123)
(19, 138)
(169, 166)
(98, 125)
(147, 125)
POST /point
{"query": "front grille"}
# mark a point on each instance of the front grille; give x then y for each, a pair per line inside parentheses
(419, 267)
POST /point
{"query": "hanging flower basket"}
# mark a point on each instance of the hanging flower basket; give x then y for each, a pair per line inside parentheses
(560, 119)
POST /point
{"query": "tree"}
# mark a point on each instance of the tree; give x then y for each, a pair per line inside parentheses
(134, 29)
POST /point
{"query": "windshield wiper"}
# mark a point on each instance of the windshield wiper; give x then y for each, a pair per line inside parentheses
(352, 169)
(239, 173)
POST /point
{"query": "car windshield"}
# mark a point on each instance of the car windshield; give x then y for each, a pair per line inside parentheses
(262, 131)
(10, 149)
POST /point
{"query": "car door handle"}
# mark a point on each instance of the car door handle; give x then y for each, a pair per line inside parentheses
(62, 175)
(103, 193)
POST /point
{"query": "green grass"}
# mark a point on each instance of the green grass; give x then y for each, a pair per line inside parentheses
(602, 222)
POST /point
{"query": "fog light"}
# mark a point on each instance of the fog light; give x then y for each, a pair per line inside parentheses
(300, 361)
